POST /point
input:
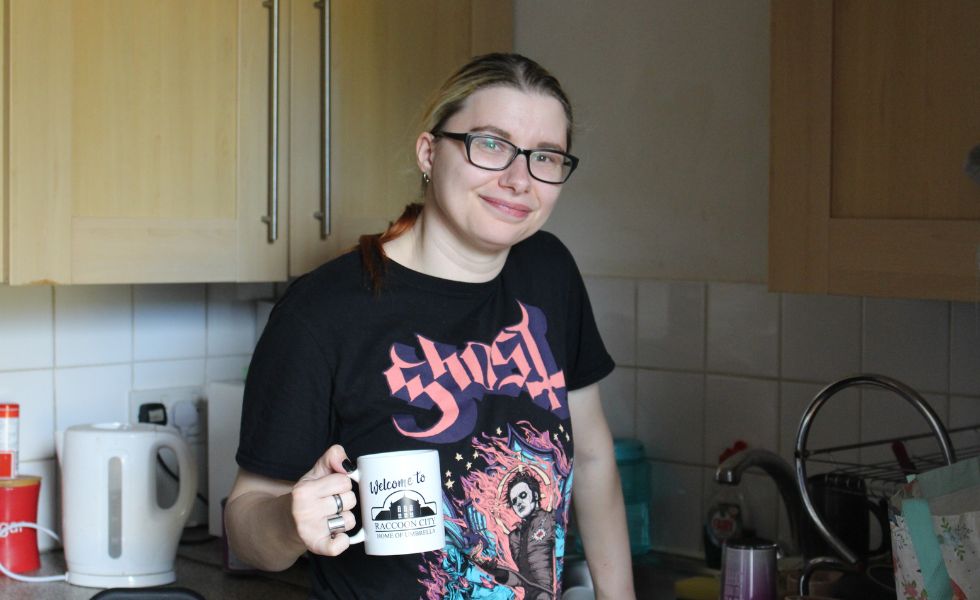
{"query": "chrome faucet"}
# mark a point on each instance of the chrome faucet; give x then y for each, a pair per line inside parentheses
(730, 473)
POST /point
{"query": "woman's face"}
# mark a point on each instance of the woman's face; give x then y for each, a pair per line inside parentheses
(490, 211)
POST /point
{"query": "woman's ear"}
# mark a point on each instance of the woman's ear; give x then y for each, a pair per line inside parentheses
(424, 149)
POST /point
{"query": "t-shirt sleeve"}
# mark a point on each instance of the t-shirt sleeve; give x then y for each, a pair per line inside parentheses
(588, 354)
(588, 360)
(286, 417)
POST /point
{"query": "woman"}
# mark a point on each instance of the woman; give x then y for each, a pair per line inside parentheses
(462, 328)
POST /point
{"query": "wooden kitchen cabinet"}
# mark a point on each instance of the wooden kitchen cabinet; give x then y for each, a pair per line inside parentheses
(139, 133)
(386, 60)
(874, 108)
(138, 141)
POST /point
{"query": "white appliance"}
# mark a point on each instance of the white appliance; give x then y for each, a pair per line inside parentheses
(224, 421)
(115, 532)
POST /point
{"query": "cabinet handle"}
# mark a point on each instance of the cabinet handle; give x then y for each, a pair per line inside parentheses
(323, 215)
(972, 166)
(272, 216)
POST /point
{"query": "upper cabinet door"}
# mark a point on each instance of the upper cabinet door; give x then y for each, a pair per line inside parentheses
(874, 111)
(386, 60)
(139, 141)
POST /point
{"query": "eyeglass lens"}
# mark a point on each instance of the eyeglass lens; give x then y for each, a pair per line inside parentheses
(493, 153)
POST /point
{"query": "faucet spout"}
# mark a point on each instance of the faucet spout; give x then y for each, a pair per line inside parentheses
(730, 472)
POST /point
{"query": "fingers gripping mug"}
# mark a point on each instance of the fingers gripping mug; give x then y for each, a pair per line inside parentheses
(401, 502)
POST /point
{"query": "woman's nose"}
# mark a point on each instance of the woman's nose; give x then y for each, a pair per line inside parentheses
(517, 176)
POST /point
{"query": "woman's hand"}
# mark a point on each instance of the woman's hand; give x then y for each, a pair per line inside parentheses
(313, 503)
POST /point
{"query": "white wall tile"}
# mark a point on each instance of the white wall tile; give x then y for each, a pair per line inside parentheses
(92, 395)
(965, 412)
(909, 341)
(964, 367)
(837, 423)
(821, 337)
(614, 305)
(34, 392)
(169, 321)
(618, 395)
(26, 326)
(93, 324)
(739, 409)
(670, 415)
(675, 508)
(670, 324)
(168, 373)
(231, 322)
(228, 368)
(743, 329)
(254, 291)
(886, 415)
(48, 502)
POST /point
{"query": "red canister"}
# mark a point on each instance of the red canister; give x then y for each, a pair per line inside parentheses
(9, 424)
(18, 503)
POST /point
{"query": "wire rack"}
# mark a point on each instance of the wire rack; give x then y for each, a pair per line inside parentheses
(882, 479)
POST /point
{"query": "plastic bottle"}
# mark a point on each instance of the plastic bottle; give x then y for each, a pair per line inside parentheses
(727, 517)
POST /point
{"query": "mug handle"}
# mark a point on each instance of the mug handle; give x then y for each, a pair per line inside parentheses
(358, 537)
(880, 511)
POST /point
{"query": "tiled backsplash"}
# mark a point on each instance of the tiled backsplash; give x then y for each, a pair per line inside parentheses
(700, 365)
(71, 355)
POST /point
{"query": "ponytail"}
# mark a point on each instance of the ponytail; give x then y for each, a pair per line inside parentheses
(372, 246)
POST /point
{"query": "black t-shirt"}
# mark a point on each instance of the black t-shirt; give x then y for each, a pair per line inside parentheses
(339, 364)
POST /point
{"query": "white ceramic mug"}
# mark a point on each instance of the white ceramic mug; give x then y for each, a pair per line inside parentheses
(401, 502)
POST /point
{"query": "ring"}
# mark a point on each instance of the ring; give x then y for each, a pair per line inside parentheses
(339, 503)
(335, 524)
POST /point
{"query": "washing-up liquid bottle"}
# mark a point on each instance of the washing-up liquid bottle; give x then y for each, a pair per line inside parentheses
(727, 516)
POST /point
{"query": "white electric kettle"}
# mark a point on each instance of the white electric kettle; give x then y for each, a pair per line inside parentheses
(115, 534)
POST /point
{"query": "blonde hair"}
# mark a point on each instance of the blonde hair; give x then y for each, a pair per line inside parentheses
(489, 70)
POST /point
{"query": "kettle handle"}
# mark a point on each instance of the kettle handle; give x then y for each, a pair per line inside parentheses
(170, 438)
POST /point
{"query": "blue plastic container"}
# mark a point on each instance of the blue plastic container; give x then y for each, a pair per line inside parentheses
(634, 472)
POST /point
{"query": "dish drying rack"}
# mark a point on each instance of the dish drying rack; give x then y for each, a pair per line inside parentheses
(880, 479)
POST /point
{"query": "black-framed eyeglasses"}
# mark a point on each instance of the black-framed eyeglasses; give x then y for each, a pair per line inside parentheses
(496, 154)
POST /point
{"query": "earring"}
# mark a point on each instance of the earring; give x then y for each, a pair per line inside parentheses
(426, 179)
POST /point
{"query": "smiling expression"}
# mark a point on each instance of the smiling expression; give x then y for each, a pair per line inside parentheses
(490, 211)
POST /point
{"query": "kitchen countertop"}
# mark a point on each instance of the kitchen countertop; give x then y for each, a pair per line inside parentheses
(199, 568)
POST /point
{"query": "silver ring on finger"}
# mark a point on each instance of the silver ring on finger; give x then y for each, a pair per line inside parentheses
(336, 523)
(339, 503)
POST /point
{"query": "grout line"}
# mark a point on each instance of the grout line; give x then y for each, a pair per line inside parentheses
(54, 366)
(949, 366)
(705, 299)
(207, 330)
(132, 335)
(863, 324)
(636, 351)
(779, 375)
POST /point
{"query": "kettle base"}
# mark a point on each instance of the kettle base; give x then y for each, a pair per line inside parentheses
(121, 581)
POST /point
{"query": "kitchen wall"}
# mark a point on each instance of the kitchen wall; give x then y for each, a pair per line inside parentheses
(667, 217)
(702, 364)
(71, 355)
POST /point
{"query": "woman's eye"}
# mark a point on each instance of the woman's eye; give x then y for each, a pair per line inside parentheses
(491, 145)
